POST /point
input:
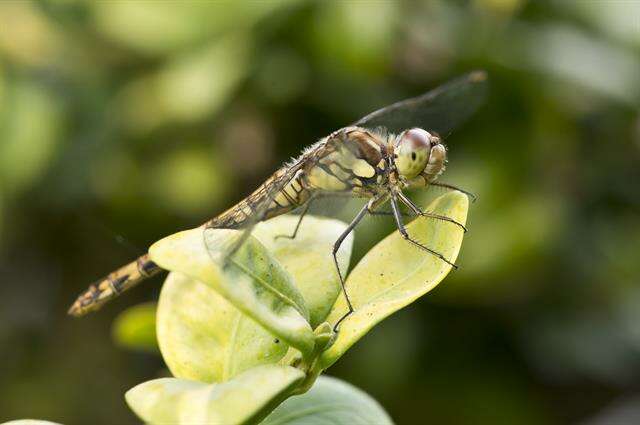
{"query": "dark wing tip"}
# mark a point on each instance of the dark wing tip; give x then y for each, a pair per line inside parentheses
(440, 109)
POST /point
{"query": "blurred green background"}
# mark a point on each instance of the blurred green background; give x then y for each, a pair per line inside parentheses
(125, 121)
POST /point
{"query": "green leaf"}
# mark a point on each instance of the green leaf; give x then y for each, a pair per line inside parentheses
(247, 398)
(308, 257)
(253, 281)
(204, 337)
(136, 328)
(159, 400)
(395, 273)
(329, 401)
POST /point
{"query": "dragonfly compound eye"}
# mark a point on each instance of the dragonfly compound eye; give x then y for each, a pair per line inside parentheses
(412, 150)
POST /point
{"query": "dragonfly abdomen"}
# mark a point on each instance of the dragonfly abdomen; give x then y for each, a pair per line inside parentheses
(113, 285)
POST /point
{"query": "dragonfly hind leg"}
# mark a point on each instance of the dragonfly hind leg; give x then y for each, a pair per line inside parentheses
(336, 246)
(295, 231)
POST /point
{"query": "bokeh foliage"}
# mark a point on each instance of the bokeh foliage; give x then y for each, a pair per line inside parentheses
(143, 118)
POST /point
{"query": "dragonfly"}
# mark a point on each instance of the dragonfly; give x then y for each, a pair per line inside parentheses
(379, 157)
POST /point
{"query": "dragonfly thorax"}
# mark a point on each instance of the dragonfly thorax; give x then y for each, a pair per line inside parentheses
(417, 152)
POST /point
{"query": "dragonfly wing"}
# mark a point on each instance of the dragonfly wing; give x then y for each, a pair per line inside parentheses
(255, 208)
(440, 110)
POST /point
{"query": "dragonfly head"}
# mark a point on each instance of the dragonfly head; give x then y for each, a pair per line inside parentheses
(417, 151)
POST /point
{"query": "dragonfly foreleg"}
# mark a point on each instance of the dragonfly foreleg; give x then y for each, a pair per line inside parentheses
(452, 187)
(302, 214)
(413, 207)
(336, 246)
(405, 234)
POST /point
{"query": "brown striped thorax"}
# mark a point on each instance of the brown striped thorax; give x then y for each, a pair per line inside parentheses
(366, 162)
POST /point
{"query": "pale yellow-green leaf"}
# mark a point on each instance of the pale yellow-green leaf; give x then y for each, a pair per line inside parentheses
(308, 257)
(395, 273)
(252, 280)
(204, 337)
(158, 401)
(136, 328)
(247, 398)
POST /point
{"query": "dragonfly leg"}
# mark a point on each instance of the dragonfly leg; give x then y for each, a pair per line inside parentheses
(452, 187)
(302, 214)
(336, 247)
(405, 234)
(388, 213)
(413, 207)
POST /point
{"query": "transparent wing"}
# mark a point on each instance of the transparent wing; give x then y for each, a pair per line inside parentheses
(441, 109)
(258, 203)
